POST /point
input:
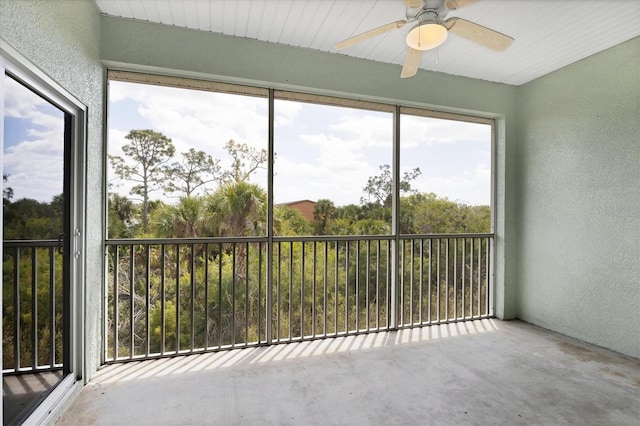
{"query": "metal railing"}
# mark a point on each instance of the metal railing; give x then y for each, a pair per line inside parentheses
(171, 296)
(32, 306)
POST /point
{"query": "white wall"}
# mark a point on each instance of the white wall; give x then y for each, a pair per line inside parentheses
(579, 200)
(62, 39)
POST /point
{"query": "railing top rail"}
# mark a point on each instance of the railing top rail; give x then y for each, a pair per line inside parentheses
(444, 236)
(311, 238)
(30, 243)
(202, 240)
(291, 238)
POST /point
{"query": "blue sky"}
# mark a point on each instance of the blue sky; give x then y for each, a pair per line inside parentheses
(33, 144)
(322, 151)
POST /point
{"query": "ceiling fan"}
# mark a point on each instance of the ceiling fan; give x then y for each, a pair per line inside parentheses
(432, 30)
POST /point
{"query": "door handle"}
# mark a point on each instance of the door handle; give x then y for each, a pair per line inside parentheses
(61, 243)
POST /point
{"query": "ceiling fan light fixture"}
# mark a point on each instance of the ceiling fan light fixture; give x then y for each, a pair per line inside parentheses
(427, 35)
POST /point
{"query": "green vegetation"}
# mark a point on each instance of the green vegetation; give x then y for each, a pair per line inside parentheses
(38, 272)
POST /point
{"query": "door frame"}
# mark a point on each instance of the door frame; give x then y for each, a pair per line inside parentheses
(22, 69)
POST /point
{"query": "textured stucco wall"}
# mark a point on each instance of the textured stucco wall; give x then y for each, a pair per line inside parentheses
(138, 45)
(62, 38)
(579, 207)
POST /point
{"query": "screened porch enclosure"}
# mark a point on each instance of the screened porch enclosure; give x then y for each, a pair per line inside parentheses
(205, 253)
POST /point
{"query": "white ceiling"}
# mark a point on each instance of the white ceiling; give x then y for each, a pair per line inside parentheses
(549, 34)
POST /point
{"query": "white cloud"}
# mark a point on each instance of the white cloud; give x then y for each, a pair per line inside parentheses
(367, 130)
(470, 186)
(314, 181)
(35, 163)
(286, 112)
(35, 168)
(198, 119)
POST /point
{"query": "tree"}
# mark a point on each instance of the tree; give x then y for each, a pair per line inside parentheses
(380, 188)
(148, 152)
(187, 219)
(238, 209)
(27, 219)
(323, 212)
(7, 191)
(288, 221)
(246, 160)
(430, 214)
(195, 170)
(120, 216)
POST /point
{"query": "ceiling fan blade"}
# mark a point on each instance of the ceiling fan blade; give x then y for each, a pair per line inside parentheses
(369, 34)
(411, 63)
(479, 34)
(414, 4)
(458, 4)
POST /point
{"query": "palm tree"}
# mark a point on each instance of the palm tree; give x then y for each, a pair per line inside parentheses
(323, 212)
(186, 219)
(238, 209)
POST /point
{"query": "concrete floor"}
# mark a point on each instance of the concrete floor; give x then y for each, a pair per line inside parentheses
(480, 372)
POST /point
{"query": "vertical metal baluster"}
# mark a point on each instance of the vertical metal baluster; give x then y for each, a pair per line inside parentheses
(446, 281)
(420, 304)
(346, 287)
(487, 277)
(357, 286)
(34, 305)
(116, 312)
(378, 284)
(148, 300)
(411, 282)
(246, 294)
(177, 298)
(132, 302)
(366, 294)
(479, 263)
(335, 294)
(206, 296)
(16, 310)
(455, 278)
(429, 281)
(290, 291)
(259, 318)
(52, 308)
(163, 297)
(471, 280)
(464, 269)
(302, 250)
(313, 304)
(220, 329)
(233, 294)
(388, 282)
(279, 286)
(192, 282)
(438, 276)
(401, 269)
(326, 271)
